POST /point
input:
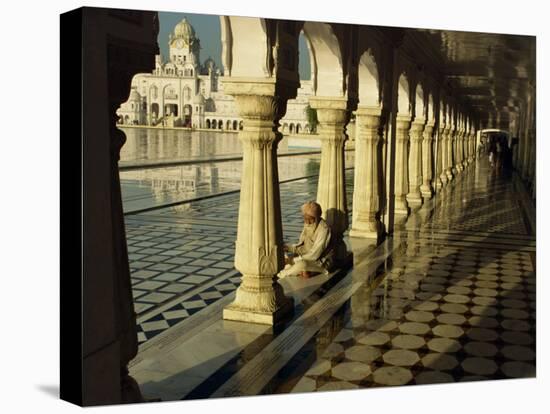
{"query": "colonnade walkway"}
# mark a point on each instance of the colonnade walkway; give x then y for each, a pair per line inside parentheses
(450, 297)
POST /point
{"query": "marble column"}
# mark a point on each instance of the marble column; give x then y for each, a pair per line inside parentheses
(466, 145)
(473, 143)
(460, 150)
(414, 197)
(437, 148)
(467, 137)
(444, 143)
(427, 159)
(366, 198)
(454, 151)
(470, 141)
(402, 126)
(449, 136)
(259, 246)
(333, 116)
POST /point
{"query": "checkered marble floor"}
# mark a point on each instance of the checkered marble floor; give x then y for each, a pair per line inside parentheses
(445, 315)
(181, 258)
(443, 309)
(450, 297)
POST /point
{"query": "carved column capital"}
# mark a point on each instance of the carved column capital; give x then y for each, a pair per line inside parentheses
(428, 132)
(416, 130)
(368, 123)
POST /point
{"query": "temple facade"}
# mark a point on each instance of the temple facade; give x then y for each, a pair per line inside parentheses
(182, 92)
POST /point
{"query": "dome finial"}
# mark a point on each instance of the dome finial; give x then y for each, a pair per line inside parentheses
(184, 30)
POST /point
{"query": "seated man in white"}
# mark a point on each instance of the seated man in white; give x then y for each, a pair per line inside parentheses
(313, 252)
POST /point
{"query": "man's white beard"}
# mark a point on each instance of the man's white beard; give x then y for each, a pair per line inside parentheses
(310, 228)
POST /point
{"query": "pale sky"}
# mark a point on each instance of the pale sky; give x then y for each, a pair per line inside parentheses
(207, 29)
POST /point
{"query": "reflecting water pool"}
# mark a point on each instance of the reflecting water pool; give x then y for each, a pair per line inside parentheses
(159, 167)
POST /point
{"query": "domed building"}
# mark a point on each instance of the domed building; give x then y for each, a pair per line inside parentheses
(183, 93)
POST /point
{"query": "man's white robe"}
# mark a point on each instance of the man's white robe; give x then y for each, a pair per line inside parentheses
(312, 251)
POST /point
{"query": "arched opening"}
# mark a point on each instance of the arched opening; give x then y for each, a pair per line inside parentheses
(369, 81)
(304, 53)
(241, 125)
(403, 97)
(208, 123)
(291, 129)
(228, 124)
(220, 124)
(298, 128)
(154, 112)
(126, 119)
(235, 125)
(187, 113)
(186, 93)
(419, 104)
(171, 109)
(327, 74)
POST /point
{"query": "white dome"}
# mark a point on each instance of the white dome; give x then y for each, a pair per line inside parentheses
(185, 31)
(134, 95)
(199, 99)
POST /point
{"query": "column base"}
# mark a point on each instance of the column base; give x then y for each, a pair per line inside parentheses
(402, 211)
(234, 312)
(414, 200)
(401, 207)
(365, 233)
(426, 191)
(427, 195)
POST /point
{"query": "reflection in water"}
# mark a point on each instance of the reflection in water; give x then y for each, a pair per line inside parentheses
(154, 144)
(149, 187)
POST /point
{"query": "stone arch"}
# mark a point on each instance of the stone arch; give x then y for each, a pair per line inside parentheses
(326, 59)
(291, 128)
(220, 124)
(403, 95)
(248, 39)
(235, 125)
(298, 128)
(228, 124)
(241, 126)
(369, 80)
(208, 124)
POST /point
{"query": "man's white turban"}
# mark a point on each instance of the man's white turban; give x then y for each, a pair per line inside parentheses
(312, 209)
